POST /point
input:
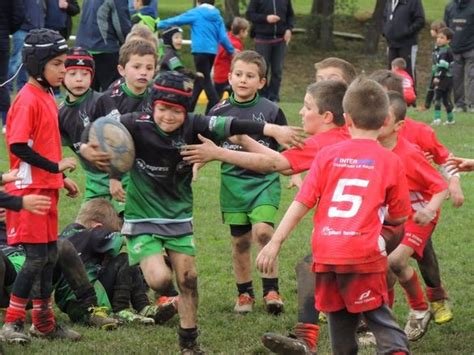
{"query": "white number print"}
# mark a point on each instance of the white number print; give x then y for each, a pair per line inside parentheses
(340, 196)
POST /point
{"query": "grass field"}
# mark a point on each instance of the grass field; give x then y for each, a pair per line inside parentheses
(224, 332)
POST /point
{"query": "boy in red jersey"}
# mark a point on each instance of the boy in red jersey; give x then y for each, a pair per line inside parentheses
(322, 117)
(398, 67)
(35, 149)
(428, 190)
(350, 183)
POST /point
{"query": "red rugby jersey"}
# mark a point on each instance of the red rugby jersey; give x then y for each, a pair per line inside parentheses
(33, 119)
(351, 182)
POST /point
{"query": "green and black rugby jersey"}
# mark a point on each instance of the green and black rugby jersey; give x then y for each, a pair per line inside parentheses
(73, 118)
(120, 99)
(242, 190)
(170, 60)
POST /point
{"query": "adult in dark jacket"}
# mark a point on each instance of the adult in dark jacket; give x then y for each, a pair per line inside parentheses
(11, 18)
(459, 16)
(272, 21)
(402, 20)
(34, 14)
(59, 15)
(102, 30)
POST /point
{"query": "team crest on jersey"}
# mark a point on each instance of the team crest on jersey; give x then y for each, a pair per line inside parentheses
(259, 118)
(178, 144)
(84, 117)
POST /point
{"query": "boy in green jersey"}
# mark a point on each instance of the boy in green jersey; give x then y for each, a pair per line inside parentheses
(249, 200)
(158, 209)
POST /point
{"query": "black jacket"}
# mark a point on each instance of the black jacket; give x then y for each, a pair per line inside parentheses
(257, 13)
(12, 15)
(401, 26)
(60, 20)
(459, 16)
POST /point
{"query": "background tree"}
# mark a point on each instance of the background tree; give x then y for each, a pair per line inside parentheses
(375, 28)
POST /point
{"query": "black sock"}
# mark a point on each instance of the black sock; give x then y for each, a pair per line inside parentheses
(170, 291)
(187, 337)
(269, 285)
(246, 287)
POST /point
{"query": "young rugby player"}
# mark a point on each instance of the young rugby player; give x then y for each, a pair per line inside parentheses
(158, 210)
(249, 200)
(34, 145)
(428, 190)
(352, 183)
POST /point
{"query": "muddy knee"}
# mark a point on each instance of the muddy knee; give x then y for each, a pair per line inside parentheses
(188, 281)
(242, 244)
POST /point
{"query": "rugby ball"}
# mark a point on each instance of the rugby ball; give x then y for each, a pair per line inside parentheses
(112, 137)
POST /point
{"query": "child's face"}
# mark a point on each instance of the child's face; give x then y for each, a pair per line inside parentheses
(138, 72)
(330, 73)
(312, 120)
(245, 80)
(390, 127)
(442, 40)
(137, 4)
(168, 118)
(54, 70)
(177, 40)
(243, 33)
(78, 81)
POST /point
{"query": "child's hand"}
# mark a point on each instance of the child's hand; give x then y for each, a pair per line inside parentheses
(456, 164)
(37, 204)
(67, 164)
(71, 188)
(455, 192)
(92, 153)
(429, 156)
(266, 259)
(286, 136)
(11, 176)
(295, 181)
(196, 168)
(116, 190)
(424, 216)
(200, 153)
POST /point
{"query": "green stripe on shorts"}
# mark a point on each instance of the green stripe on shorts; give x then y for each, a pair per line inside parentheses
(264, 213)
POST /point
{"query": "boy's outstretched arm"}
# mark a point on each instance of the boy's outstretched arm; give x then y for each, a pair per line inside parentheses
(428, 213)
(457, 164)
(264, 161)
(268, 255)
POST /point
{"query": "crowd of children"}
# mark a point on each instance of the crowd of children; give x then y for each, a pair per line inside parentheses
(376, 194)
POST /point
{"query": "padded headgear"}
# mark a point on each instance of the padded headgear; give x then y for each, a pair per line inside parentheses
(40, 46)
(79, 58)
(172, 88)
(167, 35)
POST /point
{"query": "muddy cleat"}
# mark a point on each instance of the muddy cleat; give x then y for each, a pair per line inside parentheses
(417, 324)
(287, 345)
(436, 122)
(366, 339)
(166, 308)
(441, 311)
(449, 123)
(273, 303)
(129, 316)
(192, 350)
(244, 303)
(14, 333)
(59, 332)
(99, 318)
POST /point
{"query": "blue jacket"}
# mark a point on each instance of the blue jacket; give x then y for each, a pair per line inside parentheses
(104, 25)
(207, 29)
(35, 13)
(153, 7)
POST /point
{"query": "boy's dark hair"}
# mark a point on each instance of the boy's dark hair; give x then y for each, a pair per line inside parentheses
(239, 24)
(399, 63)
(436, 25)
(447, 32)
(99, 210)
(328, 95)
(210, 2)
(253, 58)
(398, 105)
(367, 104)
(388, 79)
(348, 70)
(146, 2)
(139, 47)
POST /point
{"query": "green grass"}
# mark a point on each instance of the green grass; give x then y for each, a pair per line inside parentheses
(224, 332)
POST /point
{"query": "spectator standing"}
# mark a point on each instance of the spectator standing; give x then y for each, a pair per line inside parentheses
(207, 31)
(11, 18)
(59, 15)
(153, 7)
(272, 23)
(102, 30)
(459, 16)
(35, 12)
(402, 20)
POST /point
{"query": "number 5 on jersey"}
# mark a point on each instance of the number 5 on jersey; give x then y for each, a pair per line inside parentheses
(340, 196)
